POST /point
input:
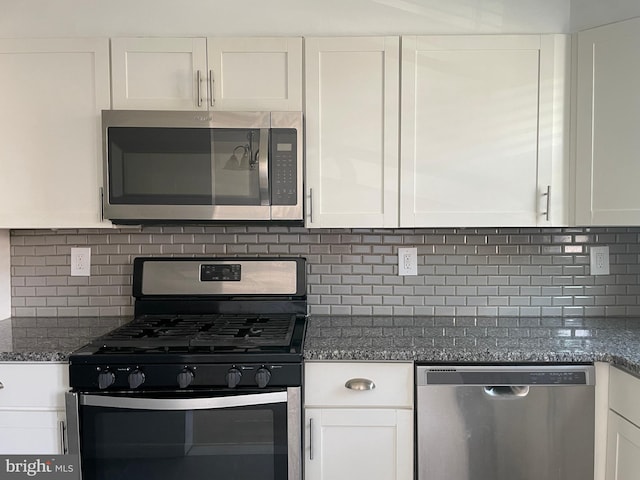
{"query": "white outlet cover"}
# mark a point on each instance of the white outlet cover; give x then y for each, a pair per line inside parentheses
(80, 262)
(599, 260)
(408, 261)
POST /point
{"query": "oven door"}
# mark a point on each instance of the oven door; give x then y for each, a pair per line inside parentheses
(174, 436)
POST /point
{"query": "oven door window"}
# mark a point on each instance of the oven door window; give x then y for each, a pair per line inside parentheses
(232, 443)
(187, 166)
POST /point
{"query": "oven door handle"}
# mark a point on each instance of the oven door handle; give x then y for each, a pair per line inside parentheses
(183, 403)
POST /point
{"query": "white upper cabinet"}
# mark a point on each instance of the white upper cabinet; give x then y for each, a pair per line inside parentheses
(482, 138)
(201, 74)
(51, 95)
(256, 73)
(608, 115)
(159, 73)
(352, 121)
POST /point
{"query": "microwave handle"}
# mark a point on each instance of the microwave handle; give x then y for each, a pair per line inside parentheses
(263, 167)
(205, 403)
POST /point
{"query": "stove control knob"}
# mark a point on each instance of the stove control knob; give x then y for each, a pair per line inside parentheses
(233, 377)
(106, 379)
(136, 378)
(185, 377)
(263, 375)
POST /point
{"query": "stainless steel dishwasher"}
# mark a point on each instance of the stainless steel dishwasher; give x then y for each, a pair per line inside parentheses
(525, 422)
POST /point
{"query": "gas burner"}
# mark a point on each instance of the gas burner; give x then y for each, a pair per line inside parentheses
(193, 332)
(227, 330)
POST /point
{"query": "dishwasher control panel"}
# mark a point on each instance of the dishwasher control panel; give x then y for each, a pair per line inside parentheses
(506, 375)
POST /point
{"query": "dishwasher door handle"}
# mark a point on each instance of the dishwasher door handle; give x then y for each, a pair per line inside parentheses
(507, 392)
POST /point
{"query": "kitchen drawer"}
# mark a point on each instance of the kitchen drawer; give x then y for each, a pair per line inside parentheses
(33, 385)
(624, 395)
(325, 384)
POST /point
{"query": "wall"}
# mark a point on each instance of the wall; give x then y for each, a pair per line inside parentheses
(592, 13)
(5, 281)
(461, 271)
(60, 18)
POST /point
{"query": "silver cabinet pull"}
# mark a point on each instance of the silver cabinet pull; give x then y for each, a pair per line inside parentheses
(101, 204)
(212, 100)
(63, 437)
(199, 89)
(311, 204)
(360, 384)
(311, 439)
(548, 195)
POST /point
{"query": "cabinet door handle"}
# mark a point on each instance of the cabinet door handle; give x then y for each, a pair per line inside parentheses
(311, 439)
(212, 100)
(360, 384)
(101, 193)
(199, 89)
(548, 195)
(63, 437)
(311, 204)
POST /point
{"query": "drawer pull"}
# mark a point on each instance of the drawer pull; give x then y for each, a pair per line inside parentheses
(360, 384)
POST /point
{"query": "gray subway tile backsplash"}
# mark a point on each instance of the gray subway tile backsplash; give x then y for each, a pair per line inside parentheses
(532, 272)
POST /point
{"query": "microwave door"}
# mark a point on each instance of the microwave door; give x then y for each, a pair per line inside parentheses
(158, 173)
(186, 174)
(239, 169)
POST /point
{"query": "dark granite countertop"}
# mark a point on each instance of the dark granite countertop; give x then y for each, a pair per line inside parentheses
(50, 339)
(476, 339)
(383, 338)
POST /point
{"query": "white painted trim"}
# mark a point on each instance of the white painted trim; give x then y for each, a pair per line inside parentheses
(5, 275)
(601, 416)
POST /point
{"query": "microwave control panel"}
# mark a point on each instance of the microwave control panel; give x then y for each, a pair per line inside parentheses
(284, 166)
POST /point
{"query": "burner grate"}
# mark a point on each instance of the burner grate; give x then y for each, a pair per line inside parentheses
(247, 332)
(202, 332)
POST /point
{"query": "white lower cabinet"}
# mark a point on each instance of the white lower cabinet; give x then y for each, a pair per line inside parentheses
(623, 449)
(32, 417)
(355, 443)
(358, 433)
(623, 437)
(31, 432)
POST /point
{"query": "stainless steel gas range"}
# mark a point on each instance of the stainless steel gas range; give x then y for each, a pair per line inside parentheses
(204, 382)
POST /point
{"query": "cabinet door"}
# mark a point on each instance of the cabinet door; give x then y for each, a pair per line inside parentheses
(51, 95)
(623, 449)
(482, 131)
(255, 73)
(608, 115)
(347, 444)
(352, 115)
(159, 73)
(29, 432)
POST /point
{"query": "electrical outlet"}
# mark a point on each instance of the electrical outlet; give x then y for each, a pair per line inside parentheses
(599, 260)
(407, 261)
(80, 262)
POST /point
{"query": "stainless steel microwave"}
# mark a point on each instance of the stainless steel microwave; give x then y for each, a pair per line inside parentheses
(186, 166)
